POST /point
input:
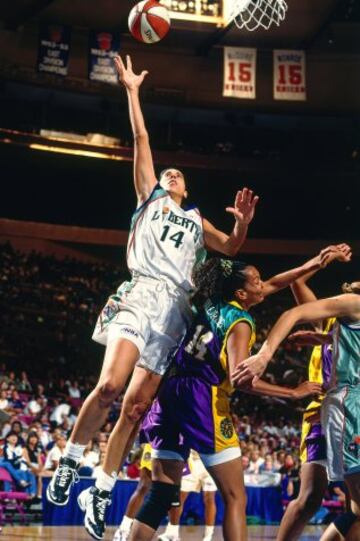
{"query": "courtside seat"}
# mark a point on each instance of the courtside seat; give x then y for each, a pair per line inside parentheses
(12, 499)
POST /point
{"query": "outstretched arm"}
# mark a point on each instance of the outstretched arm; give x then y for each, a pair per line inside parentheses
(243, 212)
(144, 174)
(305, 389)
(237, 348)
(309, 338)
(300, 288)
(347, 305)
(280, 281)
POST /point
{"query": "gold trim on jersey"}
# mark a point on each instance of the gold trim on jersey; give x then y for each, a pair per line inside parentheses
(145, 461)
(226, 385)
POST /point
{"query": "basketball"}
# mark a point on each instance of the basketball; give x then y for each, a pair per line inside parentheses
(149, 22)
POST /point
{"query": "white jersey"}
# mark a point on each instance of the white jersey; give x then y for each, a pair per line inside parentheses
(165, 241)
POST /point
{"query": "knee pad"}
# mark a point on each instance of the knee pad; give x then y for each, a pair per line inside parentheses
(158, 502)
(344, 522)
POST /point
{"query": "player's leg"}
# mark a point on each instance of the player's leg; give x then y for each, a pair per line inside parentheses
(209, 490)
(346, 410)
(353, 485)
(172, 531)
(134, 504)
(189, 483)
(229, 479)
(313, 485)
(340, 528)
(210, 514)
(166, 476)
(120, 358)
(138, 397)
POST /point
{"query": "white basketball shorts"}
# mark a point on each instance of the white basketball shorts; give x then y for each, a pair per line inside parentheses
(153, 314)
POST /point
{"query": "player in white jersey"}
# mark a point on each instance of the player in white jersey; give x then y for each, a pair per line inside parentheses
(340, 408)
(143, 323)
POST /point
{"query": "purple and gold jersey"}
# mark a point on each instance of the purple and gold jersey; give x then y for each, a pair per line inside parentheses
(192, 409)
(203, 352)
(313, 447)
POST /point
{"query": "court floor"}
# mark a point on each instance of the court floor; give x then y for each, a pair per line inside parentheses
(188, 533)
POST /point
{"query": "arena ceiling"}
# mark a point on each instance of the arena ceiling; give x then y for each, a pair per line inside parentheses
(307, 23)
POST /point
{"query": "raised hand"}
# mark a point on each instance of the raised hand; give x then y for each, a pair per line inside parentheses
(339, 252)
(244, 206)
(127, 77)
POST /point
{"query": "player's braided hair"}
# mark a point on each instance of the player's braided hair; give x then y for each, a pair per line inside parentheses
(219, 278)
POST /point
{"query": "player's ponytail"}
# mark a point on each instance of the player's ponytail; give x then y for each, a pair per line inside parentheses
(218, 278)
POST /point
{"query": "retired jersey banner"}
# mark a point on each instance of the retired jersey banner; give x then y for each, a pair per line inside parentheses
(239, 73)
(54, 48)
(289, 75)
(103, 47)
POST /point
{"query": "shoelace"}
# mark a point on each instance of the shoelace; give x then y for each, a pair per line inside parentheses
(67, 474)
(100, 506)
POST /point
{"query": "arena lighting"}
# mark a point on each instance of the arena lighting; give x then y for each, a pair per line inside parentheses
(201, 11)
(75, 152)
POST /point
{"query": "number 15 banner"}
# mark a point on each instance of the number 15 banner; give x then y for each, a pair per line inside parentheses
(239, 73)
(289, 75)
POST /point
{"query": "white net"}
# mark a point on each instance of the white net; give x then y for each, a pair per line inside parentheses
(252, 14)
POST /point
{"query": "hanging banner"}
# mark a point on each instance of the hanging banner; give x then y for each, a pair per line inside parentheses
(103, 47)
(289, 75)
(239, 73)
(54, 48)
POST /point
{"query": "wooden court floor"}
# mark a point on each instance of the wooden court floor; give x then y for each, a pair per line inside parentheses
(188, 533)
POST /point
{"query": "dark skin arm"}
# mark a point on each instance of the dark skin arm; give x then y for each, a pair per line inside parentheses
(238, 349)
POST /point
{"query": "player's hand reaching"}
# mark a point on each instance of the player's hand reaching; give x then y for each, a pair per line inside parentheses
(305, 389)
(249, 371)
(338, 252)
(244, 206)
(127, 77)
(309, 338)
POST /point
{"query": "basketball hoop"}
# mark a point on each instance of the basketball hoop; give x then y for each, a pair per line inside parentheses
(251, 14)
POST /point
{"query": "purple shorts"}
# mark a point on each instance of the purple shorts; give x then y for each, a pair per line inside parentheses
(189, 413)
(313, 443)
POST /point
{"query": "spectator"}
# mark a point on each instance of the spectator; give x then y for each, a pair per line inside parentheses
(33, 454)
(255, 461)
(24, 385)
(4, 402)
(35, 406)
(60, 412)
(245, 462)
(54, 456)
(290, 477)
(15, 403)
(14, 462)
(74, 391)
(17, 427)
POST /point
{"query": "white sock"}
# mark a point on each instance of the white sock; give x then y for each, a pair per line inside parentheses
(74, 451)
(172, 530)
(209, 531)
(126, 523)
(105, 481)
